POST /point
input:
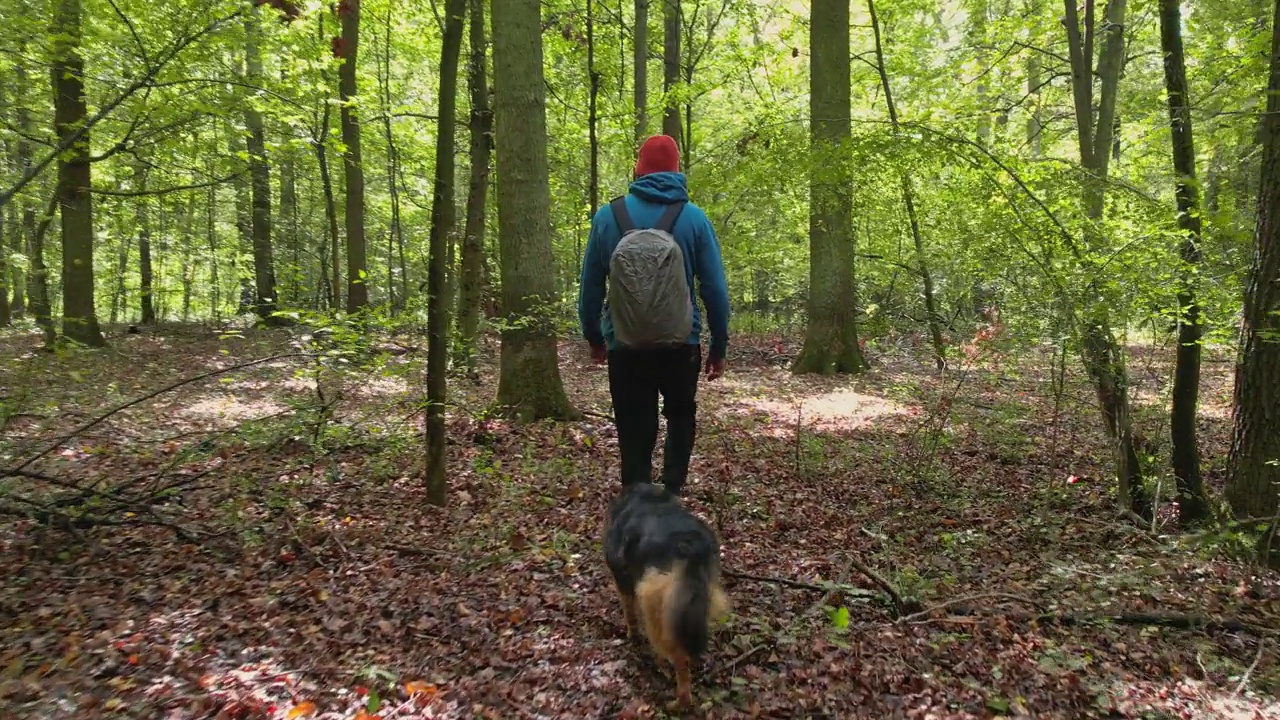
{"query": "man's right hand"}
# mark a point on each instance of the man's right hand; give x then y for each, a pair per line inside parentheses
(600, 354)
(715, 368)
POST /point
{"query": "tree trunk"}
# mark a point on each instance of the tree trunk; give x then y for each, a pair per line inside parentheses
(38, 277)
(1192, 504)
(267, 298)
(393, 184)
(211, 235)
(978, 37)
(831, 335)
(4, 269)
(593, 135)
(1254, 478)
(1102, 354)
(333, 275)
(288, 235)
(442, 228)
(908, 199)
(481, 126)
(188, 269)
(529, 384)
(670, 67)
(640, 69)
(120, 298)
(244, 226)
(18, 280)
(357, 250)
(25, 219)
(79, 319)
(1035, 70)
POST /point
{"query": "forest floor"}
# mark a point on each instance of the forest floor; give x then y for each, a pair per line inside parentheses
(296, 570)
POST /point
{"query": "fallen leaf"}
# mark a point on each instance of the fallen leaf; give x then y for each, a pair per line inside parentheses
(302, 709)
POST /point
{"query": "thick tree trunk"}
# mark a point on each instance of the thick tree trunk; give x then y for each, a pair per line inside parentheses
(529, 384)
(1254, 480)
(1102, 354)
(481, 125)
(266, 298)
(908, 199)
(640, 70)
(831, 335)
(357, 250)
(442, 229)
(79, 318)
(670, 67)
(1192, 504)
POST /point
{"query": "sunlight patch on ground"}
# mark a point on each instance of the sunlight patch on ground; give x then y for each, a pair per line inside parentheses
(1192, 699)
(818, 408)
(224, 406)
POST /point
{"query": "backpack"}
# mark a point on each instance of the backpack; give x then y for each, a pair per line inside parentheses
(648, 296)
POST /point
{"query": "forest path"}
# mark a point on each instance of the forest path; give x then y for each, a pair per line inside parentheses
(320, 582)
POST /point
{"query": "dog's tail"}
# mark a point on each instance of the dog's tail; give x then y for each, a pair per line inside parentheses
(695, 595)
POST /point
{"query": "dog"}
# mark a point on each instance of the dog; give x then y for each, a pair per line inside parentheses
(665, 563)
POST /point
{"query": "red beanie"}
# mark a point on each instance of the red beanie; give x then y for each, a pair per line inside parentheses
(658, 154)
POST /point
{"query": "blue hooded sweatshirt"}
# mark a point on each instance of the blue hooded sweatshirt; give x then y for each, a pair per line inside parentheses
(649, 196)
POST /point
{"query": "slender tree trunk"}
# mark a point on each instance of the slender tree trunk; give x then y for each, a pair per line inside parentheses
(393, 184)
(978, 36)
(670, 67)
(18, 281)
(188, 269)
(529, 384)
(5, 226)
(244, 227)
(211, 236)
(442, 228)
(640, 40)
(1254, 479)
(38, 276)
(357, 250)
(288, 234)
(1192, 504)
(481, 126)
(120, 298)
(908, 199)
(1102, 354)
(831, 334)
(79, 319)
(267, 297)
(333, 275)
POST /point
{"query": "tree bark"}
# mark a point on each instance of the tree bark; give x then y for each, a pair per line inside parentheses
(79, 318)
(908, 199)
(266, 298)
(211, 237)
(1192, 504)
(529, 385)
(142, 218)
(333, 275)
(640, 70)
(831, 334)
(288, 234)
(357, 250)
(1102, 354)
(24, 217)
(442, 228)
(1254, 478)
(393, 184)
(670, 67)
(481, 127)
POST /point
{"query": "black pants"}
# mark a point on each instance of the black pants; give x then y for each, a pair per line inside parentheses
(636, 377)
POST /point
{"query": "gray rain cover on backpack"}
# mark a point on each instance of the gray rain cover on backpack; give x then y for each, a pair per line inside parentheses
(648, 295)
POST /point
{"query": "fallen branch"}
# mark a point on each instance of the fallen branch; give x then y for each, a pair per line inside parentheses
(1169, 620)
(1244, 679)
(900, 606)
(971, 598)
(138, 401)
(801, 584)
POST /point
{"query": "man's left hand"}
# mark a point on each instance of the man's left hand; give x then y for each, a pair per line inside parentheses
(599, 354)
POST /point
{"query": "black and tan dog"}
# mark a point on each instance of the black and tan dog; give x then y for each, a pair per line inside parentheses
(666, 565)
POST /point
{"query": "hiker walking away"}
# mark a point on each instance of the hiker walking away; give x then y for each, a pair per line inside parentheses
(651, 244)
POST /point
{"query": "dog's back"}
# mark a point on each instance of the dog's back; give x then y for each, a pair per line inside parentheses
(666, 563)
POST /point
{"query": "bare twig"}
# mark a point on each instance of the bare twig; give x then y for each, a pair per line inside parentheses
(971, 598)
(898, 605)
(1244, 679)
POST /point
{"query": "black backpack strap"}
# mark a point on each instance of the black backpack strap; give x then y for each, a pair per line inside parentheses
(621, 216)
(669, 217)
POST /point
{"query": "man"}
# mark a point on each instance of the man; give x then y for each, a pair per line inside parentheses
(649, 333)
